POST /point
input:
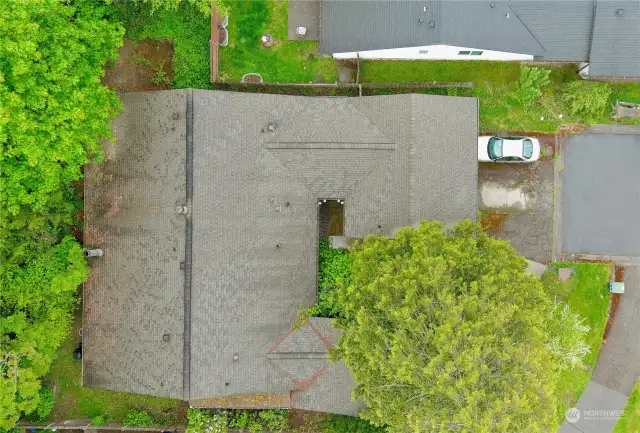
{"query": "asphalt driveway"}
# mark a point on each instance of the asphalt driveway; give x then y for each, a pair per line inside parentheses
(516, 203)
(601, 193)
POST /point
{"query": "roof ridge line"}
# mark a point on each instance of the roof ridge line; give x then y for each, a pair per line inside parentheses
(526, 27)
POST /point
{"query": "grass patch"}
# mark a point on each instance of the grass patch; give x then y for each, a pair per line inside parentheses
(417, 71)
(626, 92)
(286, 62)
(630, 421)
(74, 401)
(187, 27)
(589, 296)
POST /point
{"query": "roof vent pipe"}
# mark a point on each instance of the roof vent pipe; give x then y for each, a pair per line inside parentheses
(93, 253)
(620, 12)
(181, 209)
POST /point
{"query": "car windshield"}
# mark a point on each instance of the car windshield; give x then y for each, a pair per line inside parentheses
(495, 148)
(527, 148)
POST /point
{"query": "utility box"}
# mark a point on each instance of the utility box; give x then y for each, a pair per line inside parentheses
(616, 287)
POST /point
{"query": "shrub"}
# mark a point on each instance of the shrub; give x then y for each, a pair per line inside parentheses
(348, 424)
(334, 268)
(99, 420)
(45, 403)
(532, 80)
(567, 336)
(204, 421)
(587, 99)
(138, 419)
(275, 420)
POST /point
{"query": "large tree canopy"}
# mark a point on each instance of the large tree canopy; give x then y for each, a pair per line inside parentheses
(54, 107)
(53, 113)
(444, 331)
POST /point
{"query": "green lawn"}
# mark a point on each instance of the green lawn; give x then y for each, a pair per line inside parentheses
(590, 297)
(188, 28)
(286, 62)
(74, 401)
(630, 421)
(402, 71)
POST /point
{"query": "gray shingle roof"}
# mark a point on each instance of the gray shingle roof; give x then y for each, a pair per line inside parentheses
(135, 291)
(394, 159)
(615, 50)
(551, 30)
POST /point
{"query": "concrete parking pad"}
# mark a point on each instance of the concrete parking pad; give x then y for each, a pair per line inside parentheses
(516, 204)
(601, 199)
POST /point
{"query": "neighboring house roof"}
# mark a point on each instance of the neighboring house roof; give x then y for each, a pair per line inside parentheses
(551, 30)
(615, 50)
(251, 233)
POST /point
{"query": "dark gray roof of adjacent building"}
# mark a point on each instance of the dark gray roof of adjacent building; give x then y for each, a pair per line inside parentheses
(550, 30)
(615, 50)
(557, 30)
(394, 160)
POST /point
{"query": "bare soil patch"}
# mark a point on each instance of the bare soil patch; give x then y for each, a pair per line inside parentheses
(142, 66)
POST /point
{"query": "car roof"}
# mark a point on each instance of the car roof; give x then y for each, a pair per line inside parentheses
(511, 147)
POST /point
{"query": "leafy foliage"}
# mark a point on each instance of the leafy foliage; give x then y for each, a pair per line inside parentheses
(587, 99)
(186, 26)
(253, 421)
(334, 268)
(36, 303)
(204, 421)
(343, 424)
(445, 331)
(99, 420)
(138, 419)
(532, 80)
(55, 108)
(45, 403)
(567, 336)
(53, 112)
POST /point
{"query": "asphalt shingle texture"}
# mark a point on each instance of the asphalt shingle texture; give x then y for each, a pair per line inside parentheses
(615, 51)
(134, 295)
(394, 160)
(552, 30)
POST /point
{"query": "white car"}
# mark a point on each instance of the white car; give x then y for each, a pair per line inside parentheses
(508, 149)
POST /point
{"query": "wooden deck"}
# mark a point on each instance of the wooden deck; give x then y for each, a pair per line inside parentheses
(213, 45)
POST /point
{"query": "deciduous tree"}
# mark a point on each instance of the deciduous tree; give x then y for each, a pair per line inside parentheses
(444, 331)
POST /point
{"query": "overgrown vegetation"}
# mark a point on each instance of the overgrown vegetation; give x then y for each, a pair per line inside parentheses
(587, 99)
(532, 80)
(45, 403)
(444, 330)
(587, 294)
(285, 61)
(350, 424)
(138, 419)
(183, 23)
(334, 268)
(253, 421)
(53, 112)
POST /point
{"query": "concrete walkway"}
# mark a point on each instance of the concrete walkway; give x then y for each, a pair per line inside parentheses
(617, 369)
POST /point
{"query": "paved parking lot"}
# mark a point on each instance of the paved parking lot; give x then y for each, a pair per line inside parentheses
(601, 200)
(516, 203)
